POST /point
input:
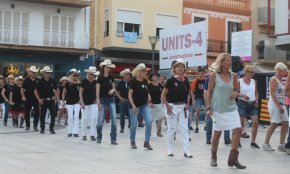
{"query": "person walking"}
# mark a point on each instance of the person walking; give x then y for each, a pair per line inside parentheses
(29, 86)
(277, 108)
(62, 111)
(175, 97)
(122, 93)
(71, 101)
(46, 94)
(248, 102)
(157, 111)
(2, 105)
(89, 105)
(6, 95)
(105, 96)
(222, 92)
(139, 98)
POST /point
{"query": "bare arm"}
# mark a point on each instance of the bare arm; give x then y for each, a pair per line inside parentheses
(273, 87)
(256, 92)
(211, 85)
(22, 95)
(3, 95)
(287, 85)
(81, 95)
(64, 91)
(36, 95)
(130, 93)
(10, 97)
(98, 93)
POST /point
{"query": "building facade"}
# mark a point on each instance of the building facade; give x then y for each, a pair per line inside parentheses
(48, 32)
(121, 29)
(223, 17)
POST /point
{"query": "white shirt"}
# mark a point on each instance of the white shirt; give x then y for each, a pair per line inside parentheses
(248, 90)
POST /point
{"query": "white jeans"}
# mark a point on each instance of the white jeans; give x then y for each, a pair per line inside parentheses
(89, 118)
(172, 120)
(73, 118)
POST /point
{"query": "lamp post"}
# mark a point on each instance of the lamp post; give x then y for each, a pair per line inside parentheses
(153, 40)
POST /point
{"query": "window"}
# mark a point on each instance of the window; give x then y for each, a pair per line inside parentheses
(107, 23)
(129, 21)
(165, 21)
(198, 19)
(158, 31)
(59, 31)
(232, 27)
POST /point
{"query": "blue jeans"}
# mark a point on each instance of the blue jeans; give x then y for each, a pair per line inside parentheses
(124, 110)
(144, 110)
(209, 130)
(7, 108)
(107, 102)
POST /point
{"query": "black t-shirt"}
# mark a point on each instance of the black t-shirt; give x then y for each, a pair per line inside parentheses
(89, 92)
(1, 97)
(140, 91)
(155, 93)
(72, 93)
(46, 88)
(178, 91)
(29, 87)
(123, 88)
(8, 89)
(16, 95)
(198, 91)
(105, 85)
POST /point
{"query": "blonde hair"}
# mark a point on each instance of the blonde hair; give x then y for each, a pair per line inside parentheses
(219, 60)
(70, 78)
(281, 66)
(249, 68)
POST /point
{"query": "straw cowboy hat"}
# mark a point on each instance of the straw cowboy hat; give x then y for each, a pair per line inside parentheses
(92, 70)
(10, 77)
(46, 69)
(64, 78)
(73, 71)
(125, 71)
(107, 63)
(33, 69)
(19, 78)
(1, 77)
(212, 67)
(138, 68)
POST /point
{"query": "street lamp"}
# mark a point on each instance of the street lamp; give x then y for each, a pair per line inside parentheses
(153, 40)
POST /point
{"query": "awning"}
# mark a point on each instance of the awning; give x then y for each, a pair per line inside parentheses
(264, 69)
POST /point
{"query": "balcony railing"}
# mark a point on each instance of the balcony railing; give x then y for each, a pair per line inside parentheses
(66, 3)
(263, 15)
(43, 38)
(216, 46)
(236, 4)
(121, 34)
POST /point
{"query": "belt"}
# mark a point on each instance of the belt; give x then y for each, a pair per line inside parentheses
(178, 103)
(248, 102)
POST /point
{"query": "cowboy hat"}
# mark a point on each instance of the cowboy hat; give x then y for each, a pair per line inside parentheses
(18, 78)
(107, 63)
(212, 67)
(46, 69)
(73, 71)
(125, 71)
(33, 69)
(138, 68)
(64, 78)
(177, 62)
(10, 76)
(92, 70)
(1, 77)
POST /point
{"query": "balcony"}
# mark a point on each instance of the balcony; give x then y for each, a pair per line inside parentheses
(216, 46)
(121, 34)
(30, 37)
(263, 16)
(67, 3)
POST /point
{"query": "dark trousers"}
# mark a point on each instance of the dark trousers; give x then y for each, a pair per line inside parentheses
(124, 110)
(7, 109)
(50, 105)
(28, 107)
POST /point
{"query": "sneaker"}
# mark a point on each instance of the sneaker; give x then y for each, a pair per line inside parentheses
(196, 130)
(122, 131)
(114, 142)
(27, 128)
(76, 135)
(93, 138)
(35, 129)
(42, 132)
(281, 148)
(228, 142)
(69, 135)
(245, 135)
(255, 146)
(267, 147)
(84, 138)
(99, 141)
(191, 128)
(208, 142)
(52, 131)
(188, 155)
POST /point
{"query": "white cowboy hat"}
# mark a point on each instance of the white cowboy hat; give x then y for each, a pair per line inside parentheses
(46, 69)
(177, 62)
(10, 77)
(125, 71)
(107, 63)
(138, 68)
(73, 71)
(64, 78)
(92, 70)
(18, 78)
(33, 69)
(212, 67)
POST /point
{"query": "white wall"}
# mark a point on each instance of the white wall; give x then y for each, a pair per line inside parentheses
(281, 17)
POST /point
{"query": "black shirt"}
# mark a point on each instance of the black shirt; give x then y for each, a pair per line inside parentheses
(72, 93)
(178, 91)
(8, 89)
(46, 88)
(29, 87)
(1, 97)
(105, 85)
(123, 88)
(155, 93)
(89, 92)
(140, 91)
(16, 95)
(198, 91)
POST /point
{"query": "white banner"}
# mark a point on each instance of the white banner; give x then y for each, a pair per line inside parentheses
(188, 42)
(242, 44)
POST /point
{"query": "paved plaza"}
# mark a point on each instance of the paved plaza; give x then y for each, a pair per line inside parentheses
(28, 152)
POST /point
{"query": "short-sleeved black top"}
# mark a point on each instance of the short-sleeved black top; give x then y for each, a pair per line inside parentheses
(29, 86)
(72, 93)
(8, 89)
(178, 91)
(123, 88)
(46, 88)
(105, 85)
(140, 91)
(155, 93)
(16, 95)
(1, 97)
(89, 92)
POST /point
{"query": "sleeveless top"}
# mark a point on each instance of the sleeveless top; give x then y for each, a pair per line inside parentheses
(280, 92)
(221, 101)
(248, 90)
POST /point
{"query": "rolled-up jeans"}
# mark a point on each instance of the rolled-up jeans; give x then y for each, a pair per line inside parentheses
(144, 110)
(124, 110)
(107, 102)
(209, 130)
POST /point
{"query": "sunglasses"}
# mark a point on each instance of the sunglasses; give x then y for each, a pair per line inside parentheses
(76, 75)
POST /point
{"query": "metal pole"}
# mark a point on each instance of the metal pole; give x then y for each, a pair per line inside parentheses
(152, 61)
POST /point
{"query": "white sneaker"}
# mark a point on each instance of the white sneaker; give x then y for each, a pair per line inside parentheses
(267, 147)
(281, 148)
